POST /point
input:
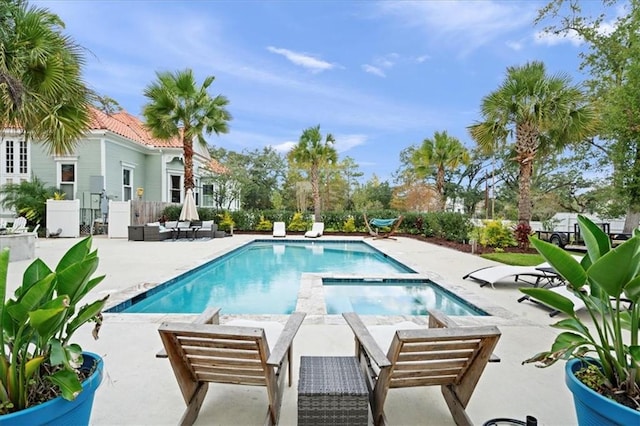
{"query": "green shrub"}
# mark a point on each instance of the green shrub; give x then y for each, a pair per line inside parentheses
(297, 223)
(264, 225)
(349, 225)
(172, 212)
(454, 226)
(495, 234)
(226, 222)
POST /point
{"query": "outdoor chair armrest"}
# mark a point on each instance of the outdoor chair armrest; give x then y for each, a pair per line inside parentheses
(209, 316)
(438, 319)
(285, 340)
(365, 340)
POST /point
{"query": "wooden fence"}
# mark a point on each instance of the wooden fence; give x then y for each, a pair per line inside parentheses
(147, 211)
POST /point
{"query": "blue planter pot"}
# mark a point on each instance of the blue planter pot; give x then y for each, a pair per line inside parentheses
(59, 411)
(592, 408)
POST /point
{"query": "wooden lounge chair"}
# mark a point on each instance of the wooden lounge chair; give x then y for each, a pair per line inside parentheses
(379, 224)
(442, 355)
(205, 352)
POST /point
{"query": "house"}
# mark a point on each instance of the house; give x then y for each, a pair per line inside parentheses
(117, 155)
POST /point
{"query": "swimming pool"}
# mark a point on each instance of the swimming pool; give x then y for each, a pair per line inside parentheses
(262, 277)
(393, 297)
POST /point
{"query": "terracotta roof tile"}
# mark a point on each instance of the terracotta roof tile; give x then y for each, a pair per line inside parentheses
(130, 127)
(216, 167)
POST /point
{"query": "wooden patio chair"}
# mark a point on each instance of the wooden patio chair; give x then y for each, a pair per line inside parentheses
(442, 355)
(205, 352)
(393, 224)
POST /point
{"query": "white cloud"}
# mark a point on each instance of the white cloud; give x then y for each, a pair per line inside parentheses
(346, 142)
(422, 58)
(302, 59)
(373, 70)
(284, 147)
(551, 39)
(466, 25)
(514, 45)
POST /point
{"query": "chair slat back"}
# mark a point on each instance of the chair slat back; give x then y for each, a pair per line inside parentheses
(435, 356)
(221, 354)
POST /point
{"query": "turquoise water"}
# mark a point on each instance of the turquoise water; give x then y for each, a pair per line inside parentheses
(262, 277)
(393, 297)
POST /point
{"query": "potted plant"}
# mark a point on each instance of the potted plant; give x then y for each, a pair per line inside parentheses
(41, 371)
(603, 368)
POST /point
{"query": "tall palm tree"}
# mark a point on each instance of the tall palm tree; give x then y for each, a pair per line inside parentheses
(533, 113)
(313, 153)
(440, 154)
(177, 108)
(41, 89)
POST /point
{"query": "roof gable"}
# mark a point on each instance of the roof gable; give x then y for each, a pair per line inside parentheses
(129, 126)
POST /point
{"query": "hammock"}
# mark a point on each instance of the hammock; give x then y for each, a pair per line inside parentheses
(394, 224)
(383, 222)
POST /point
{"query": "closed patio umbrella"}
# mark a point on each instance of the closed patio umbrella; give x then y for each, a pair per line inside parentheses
(189, 211)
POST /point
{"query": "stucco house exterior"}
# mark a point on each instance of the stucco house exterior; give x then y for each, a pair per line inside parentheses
(117, 155)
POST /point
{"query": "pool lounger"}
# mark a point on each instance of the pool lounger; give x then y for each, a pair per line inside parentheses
(542, 274)
(562, 290)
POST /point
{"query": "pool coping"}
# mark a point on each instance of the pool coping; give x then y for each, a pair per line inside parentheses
(311, 296)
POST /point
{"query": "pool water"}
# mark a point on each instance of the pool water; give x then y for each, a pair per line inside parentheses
(262, 277)
(393, 297)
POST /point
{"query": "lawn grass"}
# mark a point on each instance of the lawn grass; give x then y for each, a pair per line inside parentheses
(518, 259)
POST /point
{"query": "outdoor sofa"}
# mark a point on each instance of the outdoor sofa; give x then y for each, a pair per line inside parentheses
(154, 231)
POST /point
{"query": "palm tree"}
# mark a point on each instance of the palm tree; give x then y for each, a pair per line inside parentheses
(544, 113)
(312, 152)
(177, 108)
(441, 154)
(41, 90)
(28, 198)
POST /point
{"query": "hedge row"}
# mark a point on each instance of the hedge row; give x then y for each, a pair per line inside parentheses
(450, 226)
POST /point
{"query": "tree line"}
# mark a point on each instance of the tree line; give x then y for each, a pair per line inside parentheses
(537, 134)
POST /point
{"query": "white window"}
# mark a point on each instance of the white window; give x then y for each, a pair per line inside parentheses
(9, 157)
(175, 188)
(127, 184)
(23, 157)
(67, 183)
(207, 195)
(14, 158)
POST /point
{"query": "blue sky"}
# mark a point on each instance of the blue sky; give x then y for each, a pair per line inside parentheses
(379, 76)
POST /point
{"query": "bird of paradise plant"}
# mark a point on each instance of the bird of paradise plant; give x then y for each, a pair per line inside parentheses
(37, 325)
(608, 282)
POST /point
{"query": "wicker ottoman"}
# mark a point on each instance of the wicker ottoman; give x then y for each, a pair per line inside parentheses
(332, 391)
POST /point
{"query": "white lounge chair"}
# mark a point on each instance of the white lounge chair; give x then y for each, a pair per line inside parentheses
(316, 230)
(562, 290)
(540, 274)
(19, 225)
(279, 230)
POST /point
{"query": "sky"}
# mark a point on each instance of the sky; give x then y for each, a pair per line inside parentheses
(379, 76)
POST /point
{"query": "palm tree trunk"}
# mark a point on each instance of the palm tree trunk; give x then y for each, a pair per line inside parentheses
(440, 188)
(187, 145)
(526, 148)
(524, 198)
(315, 188)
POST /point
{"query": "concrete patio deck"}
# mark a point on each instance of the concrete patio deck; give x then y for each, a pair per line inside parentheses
(139, 389)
